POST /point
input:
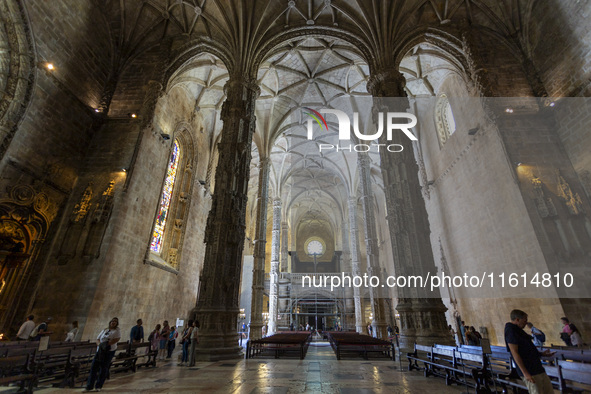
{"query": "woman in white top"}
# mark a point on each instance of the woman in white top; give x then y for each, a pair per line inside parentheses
(107, 344)
(71, 335)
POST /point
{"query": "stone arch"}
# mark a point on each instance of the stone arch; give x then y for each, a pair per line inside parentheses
(19, 60)
(25, 216)
(191, 49)
(451, 47)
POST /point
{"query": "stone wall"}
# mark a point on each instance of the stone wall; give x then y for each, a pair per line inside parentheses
(560, 44)
(477, 210)
(51, 142)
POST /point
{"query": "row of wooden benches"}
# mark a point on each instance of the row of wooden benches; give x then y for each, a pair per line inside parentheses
(355, 344)
(281, 344)
(467, 365)
(67, 365)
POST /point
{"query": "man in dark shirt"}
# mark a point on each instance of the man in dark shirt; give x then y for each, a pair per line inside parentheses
(137, 332)
(526, 356)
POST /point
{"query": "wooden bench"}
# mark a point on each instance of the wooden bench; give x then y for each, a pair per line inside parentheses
(574, 377)
(51, 363)
(421, 354)
(124, 359)
(17, 369)
(78, 366)
(354, 344)
(145, 355)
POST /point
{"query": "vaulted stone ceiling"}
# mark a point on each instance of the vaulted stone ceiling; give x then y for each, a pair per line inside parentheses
(244, 27)
(295, 72)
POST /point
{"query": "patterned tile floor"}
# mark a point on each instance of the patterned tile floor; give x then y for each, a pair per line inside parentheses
(319, 372)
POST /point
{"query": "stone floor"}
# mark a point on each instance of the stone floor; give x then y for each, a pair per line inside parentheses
(319, 372)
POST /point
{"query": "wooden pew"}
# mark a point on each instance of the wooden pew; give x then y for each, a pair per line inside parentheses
(17, 369)
(51, 363)
(146, 356)
(421, 353)
(78, 366)
(124, 359)
(574, 377)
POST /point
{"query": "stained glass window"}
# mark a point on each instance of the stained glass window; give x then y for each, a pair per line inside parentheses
(158, 236)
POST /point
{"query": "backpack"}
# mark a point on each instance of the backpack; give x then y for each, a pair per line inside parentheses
(35, 331)
(541, 336)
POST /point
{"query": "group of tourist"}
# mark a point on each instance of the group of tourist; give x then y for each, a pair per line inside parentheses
(523, 346)
(162, 338)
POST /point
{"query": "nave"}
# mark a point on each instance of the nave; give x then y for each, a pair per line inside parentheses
(319, 372)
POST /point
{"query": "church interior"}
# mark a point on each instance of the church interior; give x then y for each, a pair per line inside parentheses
(161, 159)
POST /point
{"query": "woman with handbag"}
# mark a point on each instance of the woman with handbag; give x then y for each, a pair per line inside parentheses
(107, 344)
(186, 342)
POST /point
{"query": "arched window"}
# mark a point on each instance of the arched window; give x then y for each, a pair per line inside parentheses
(171, 214)
(444, 119)
(171, 174)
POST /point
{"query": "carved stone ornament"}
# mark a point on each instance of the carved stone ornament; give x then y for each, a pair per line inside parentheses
(82, 208)
(544, 205)
(572, 200)
(26, 195)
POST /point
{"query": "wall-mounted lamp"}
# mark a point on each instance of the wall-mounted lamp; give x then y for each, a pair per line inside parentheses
(49, 66)
(124, 169)
(518, 164)
(132, 115)
(509, 110)
(165, 136)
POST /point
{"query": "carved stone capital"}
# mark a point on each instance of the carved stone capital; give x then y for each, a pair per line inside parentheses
(386, 83)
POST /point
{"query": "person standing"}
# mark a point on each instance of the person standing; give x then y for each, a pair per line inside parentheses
(71, 335)
(163, 340)
(186, 343)
(538, 336)
(154, 338)
(526, 356)
(171, 341)
(41, 330)
(26, 328)
(194, 342)
(107, 344)
(137, 332)
(574, 336)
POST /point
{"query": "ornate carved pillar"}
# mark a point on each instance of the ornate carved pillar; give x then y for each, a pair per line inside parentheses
(284, 246)
(371, 244)
(354, 238)
(348, 320)
(422, 315)
(217, 306)
(274, 276)
(260, 242)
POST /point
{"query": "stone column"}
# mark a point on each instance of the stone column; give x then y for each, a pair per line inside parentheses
(260, 242)
(422, 315)
(371, 245)
(284, 247)
(217, 306)
(354, 239)
(274, 276)
(347, 291)
(284, 281)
